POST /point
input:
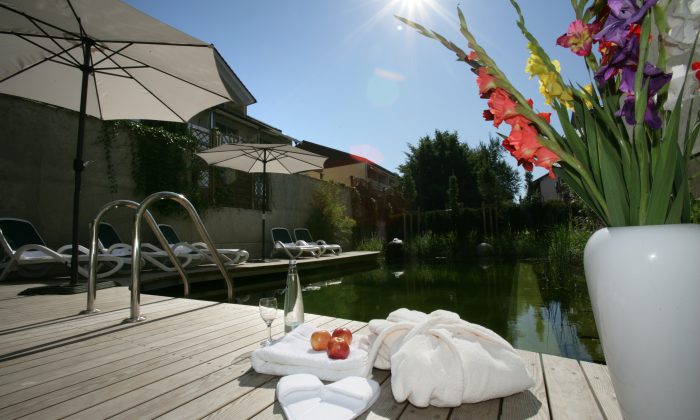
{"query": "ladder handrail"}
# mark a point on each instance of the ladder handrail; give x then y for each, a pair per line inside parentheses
(94, 237)
(136, 252)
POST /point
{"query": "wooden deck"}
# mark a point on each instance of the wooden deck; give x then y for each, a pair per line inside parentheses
(190, 359)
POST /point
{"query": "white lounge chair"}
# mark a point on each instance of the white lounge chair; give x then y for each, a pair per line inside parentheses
(284, 243)
(230, 256)
(303, 234)
(110, 243)
(22, 246)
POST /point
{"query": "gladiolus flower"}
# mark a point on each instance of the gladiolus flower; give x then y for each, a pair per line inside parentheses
(551, 88)
(472, 56)
(578, 38)
(546, 159)
(486, 82)
(547, 116)
(623, 13)
(696, 68)
(535, 66)
(488, 116)
(501, 106)
(522, 142)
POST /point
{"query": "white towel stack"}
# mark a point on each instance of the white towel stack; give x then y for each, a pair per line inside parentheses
(293, 354)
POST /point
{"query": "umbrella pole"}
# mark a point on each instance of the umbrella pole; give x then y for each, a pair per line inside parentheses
(264, 207)
(78, 161)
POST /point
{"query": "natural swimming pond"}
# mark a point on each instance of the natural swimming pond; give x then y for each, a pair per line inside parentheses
(519, 301)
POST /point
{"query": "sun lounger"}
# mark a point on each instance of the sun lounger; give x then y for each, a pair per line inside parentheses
(23, 247)
(283, 243)
(230, 256)
(303, 234)
(111, 243)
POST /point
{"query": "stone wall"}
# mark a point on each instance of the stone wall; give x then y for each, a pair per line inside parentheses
(37, 147)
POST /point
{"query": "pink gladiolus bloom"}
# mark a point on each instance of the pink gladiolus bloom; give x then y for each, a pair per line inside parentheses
(578, 38)
(501, 106)
(486, 82)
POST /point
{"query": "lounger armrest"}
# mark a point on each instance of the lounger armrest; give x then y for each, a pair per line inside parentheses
(42, 248)
(68, 249)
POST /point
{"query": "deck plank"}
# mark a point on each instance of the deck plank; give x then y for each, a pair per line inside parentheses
(530, 404)
(483, 410)
(599, 378)
(196, 397)
(570, 397)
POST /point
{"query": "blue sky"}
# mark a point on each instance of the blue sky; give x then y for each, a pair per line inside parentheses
(348, 75)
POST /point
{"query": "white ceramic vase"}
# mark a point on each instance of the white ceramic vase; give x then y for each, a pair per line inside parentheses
(644, 284)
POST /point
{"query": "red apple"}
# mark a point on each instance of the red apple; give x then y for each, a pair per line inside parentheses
(343, 333)
(319, 340)
(338, 348)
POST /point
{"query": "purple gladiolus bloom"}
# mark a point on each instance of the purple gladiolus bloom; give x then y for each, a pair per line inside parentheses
(651, 114)
(623, 13)
(654, 75)
(656, 79)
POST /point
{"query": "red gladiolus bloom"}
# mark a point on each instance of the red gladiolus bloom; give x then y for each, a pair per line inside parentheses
(546, 159)
(696, 68)
(547, 116)
(486, 82)
(501, 106)
(488, 116)
(472, 56)
(522, 142)
(518, 122)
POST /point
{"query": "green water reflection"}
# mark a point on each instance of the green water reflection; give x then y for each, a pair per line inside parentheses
(515, 300)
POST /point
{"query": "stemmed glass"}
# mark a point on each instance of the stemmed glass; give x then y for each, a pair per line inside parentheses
(268, 312)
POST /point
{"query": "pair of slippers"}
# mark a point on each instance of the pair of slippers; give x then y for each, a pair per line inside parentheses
(303, 396)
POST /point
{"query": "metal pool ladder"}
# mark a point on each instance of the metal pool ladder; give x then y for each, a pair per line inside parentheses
(141, 212)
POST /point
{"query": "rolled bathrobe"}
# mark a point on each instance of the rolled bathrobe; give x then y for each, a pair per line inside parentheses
(442, 360)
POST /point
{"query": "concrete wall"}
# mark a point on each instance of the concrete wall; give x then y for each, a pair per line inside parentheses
(37, 147)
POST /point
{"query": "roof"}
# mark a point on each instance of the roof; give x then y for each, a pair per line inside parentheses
(337, 157)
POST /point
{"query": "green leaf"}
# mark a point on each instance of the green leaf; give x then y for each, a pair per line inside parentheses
(613, 185)
(576, 184)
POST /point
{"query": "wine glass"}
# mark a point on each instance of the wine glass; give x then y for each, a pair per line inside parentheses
(268, 312)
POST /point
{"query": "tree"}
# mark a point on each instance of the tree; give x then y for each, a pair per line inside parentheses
(497, 181)
(431, 163)
(453, 194)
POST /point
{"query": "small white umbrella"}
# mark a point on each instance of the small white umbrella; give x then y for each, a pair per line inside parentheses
(106, 59)
(263, 158)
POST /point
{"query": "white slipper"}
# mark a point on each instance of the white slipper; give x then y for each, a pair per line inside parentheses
(303, 396)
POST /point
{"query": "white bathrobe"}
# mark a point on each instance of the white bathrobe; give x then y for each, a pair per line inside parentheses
(438, 359)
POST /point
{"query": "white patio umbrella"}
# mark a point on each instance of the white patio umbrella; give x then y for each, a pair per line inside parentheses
(106, 59)
(263, 158)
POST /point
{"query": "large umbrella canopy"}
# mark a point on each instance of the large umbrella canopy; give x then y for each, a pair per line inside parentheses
(106, 59)
(263, 158)
(267, 158)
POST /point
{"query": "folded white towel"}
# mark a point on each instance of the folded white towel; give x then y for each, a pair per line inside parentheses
(293, 354)
(304, 396)
(439, 359)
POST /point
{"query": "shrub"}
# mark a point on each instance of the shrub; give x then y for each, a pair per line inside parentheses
(328, 220)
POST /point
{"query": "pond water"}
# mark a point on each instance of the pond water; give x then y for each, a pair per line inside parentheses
(516, 300)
